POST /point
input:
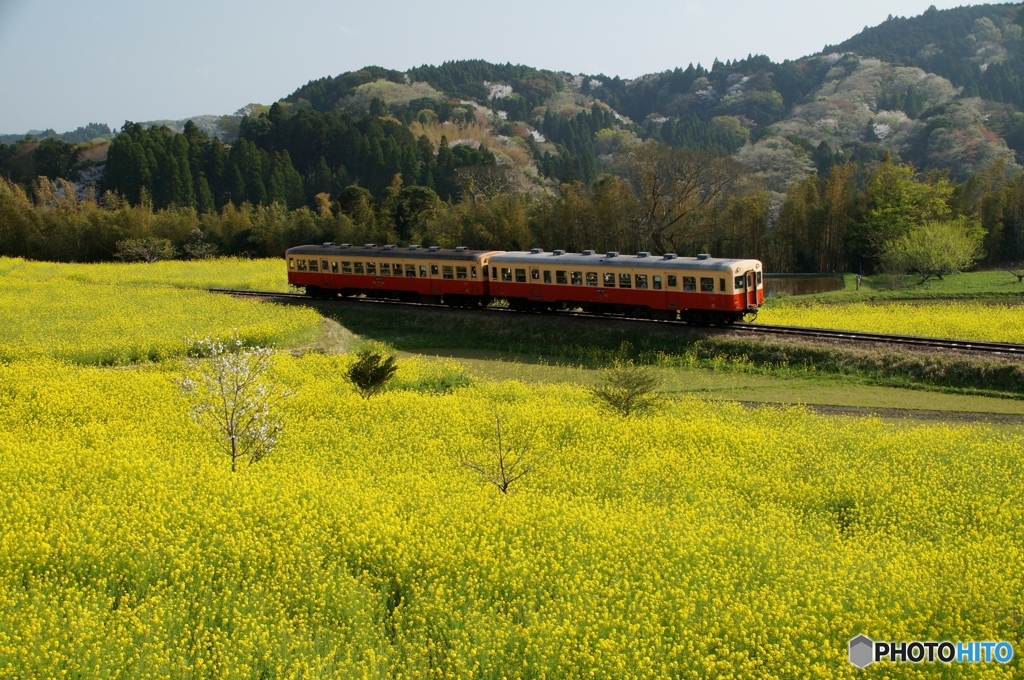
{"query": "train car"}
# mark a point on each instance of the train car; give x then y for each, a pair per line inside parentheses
(411, 273)
(700, 290)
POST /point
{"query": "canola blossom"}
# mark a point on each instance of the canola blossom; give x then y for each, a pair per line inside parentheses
(703, 540)
(120, 324)
(226, 272)
(954, 320)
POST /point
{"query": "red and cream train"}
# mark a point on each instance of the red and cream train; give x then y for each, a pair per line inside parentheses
(699, 290)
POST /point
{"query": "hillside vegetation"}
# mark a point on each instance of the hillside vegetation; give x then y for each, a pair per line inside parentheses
(836, 161)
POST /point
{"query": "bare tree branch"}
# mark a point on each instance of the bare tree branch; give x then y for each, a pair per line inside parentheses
(503, 464)
(675, 189)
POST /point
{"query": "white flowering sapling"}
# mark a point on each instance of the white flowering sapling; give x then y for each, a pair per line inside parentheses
(234, 398)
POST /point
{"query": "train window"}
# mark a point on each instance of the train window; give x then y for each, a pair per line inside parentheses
(689, 283)
(302, 265)
(721, 285)
(371, 268)
(759, 278)
(472, 272)
(448, 271)
(312, 265)
(520, 276)
(423, 271)
(396, 270)
(672, 283)
(323, 265)
(359, 267)
(547, 276)
(385, 269)
(506, 274)
(334, 266)
(591, 278)
(641, 281)
(609, 280)
(346, 267)
(460, 273)
(625, 281)
(410, 271)
(560, 277)
(535, 274)
(577, 278)
(707, 285)
(656, 282)
(433, 269)
(739, 282)
(494, 273)
(291, 263)
(485, 270)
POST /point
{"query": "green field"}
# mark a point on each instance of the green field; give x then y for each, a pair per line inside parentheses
(560, 340)
(998, 284)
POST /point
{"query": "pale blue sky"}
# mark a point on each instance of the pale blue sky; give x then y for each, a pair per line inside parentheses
(66, 63)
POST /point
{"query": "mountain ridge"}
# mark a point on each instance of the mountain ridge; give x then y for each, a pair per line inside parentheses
(782, 120)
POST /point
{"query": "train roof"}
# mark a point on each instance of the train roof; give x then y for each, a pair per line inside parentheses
(373, 250)
(643, 260)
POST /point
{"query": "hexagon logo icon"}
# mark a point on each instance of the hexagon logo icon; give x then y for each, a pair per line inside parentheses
(862, 651)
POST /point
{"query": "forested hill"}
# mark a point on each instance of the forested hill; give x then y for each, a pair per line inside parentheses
(978, 48)
(938, 96)
(942, 90)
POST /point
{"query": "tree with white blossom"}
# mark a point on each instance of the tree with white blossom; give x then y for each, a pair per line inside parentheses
(234, 398)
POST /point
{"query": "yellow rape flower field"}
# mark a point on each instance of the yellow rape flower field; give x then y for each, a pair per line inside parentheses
(702, 541)
(226, 272)
(120, 324)
(955, 320)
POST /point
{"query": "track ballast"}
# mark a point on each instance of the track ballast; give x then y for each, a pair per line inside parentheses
(975, 346)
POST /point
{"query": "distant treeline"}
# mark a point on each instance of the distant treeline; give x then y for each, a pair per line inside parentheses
(31, 157)
(279, 159)
(664, 200)
(86, 133)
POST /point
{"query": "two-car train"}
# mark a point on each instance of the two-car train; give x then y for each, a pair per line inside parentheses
(699, 290)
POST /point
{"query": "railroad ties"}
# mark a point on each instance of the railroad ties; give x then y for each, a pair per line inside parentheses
(976, 346)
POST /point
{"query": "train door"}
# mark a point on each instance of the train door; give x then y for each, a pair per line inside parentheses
(672, 286)
(325, 276)
(751, 289)
(658, 295)
(536, 287)
(378, 282)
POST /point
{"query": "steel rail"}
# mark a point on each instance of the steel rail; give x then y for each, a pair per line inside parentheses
(790, 331)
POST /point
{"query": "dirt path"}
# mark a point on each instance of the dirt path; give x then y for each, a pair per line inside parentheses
(899, 413)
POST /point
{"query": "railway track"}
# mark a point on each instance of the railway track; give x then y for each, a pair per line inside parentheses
(997, 348)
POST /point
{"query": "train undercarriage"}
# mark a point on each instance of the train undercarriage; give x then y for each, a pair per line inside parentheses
(693, 317)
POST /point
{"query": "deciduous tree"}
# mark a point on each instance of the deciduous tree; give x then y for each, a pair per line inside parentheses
(936, 248)
(674, 188)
